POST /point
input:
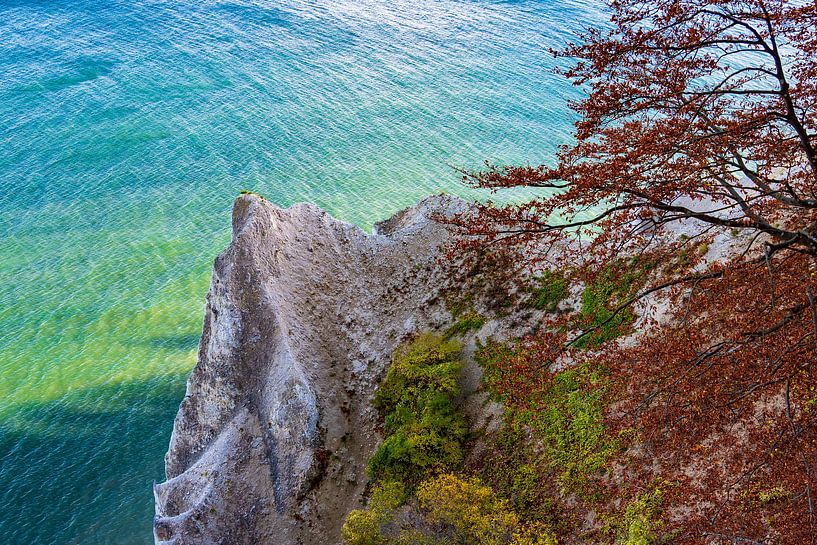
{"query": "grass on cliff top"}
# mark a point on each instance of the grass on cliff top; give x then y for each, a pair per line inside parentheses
(248, 192)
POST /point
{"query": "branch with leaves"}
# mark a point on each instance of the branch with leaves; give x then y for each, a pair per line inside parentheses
(699, 126)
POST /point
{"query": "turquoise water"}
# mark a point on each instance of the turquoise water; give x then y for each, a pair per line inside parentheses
(126, 129)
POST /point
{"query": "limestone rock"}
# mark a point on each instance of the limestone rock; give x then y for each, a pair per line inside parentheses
(303, 312)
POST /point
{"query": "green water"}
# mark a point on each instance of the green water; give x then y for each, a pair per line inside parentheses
(127, 128)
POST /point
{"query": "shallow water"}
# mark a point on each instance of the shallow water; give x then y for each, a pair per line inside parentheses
(127, 128)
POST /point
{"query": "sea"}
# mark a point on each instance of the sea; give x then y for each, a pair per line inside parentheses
(128, 127)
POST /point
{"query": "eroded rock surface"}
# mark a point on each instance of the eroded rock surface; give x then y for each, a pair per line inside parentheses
(303, 312)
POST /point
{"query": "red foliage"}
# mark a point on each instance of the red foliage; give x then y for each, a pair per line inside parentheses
(701, 119)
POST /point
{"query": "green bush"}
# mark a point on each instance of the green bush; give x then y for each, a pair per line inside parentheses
(519, 473)
(467, 321)
(469, 507)
(476, 515)
(428, 363)
(570, 414)
(550, 289)
(362, 527)
(524, 487)
(641, 521)
(611, 287)
(566, 412)
(424, 433)
(494, 357)
(416, 399)
(388, 496)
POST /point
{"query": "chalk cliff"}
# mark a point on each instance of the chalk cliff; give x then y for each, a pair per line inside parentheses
(271, 440)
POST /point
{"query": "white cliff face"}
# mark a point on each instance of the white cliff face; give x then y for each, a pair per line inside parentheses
(272, 437)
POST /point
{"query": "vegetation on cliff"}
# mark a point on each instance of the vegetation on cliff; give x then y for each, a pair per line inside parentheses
(476, 515)
(420, 462)
(701, 120)
(549, 290)
(668, 395)
(424, 431)
(554, 457)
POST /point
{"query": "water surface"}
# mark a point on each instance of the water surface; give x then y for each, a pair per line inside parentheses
(127, 128)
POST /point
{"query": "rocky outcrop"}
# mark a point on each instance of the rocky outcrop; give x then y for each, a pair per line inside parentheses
(303, 312)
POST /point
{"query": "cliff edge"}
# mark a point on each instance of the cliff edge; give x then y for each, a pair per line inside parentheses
(303, 312)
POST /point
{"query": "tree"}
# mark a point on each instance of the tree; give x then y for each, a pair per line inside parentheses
(696, 157)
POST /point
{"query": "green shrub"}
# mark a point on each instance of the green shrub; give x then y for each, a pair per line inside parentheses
(424, 433)
(416, 399)
(362, 527)
(494, 358)
(757, 495)
(550, 289)
(468, 321)
(641, 521)
(469, 507)
(525, 484)
(566, 412)
(611, 287)
(520, 474)
(570, 414)
(476, 515)
(388, 496)
(428, 363)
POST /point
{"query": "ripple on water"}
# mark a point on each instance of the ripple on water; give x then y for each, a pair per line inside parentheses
(128, 127)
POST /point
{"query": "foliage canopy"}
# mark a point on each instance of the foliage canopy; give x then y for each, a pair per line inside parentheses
(700, 120)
